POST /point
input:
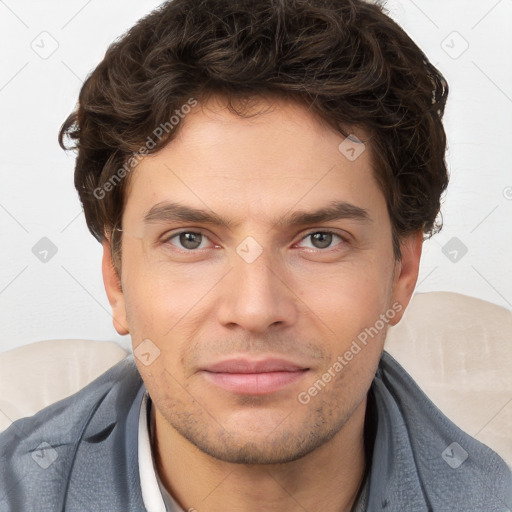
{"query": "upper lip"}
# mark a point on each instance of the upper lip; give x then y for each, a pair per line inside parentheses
(244, 365)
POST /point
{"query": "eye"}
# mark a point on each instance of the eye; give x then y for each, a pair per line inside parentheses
(322, 239)
(194, 240)
(188, 240)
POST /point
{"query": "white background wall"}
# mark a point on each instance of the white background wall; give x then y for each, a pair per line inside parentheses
(65, 297)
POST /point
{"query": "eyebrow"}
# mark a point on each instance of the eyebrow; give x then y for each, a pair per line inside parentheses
(336, 210)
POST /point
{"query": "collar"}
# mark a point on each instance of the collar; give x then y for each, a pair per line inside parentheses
(409, 467)
(155, 495)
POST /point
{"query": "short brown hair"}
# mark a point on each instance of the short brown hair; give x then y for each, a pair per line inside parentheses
(346, 60)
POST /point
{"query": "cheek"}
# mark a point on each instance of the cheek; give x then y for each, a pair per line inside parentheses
(164, 308)
(347, 292)
(156, 293)
(345, 310)
(161, 382)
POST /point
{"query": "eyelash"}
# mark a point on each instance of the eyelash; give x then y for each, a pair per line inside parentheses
(167, 239)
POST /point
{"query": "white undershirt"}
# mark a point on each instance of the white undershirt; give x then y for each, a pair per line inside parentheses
(155, 496)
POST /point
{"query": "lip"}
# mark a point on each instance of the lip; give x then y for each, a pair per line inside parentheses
(243, 365)
(253, 377)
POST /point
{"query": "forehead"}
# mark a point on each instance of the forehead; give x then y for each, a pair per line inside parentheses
(277, 156)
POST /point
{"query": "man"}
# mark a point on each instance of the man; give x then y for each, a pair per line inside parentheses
(261, 175)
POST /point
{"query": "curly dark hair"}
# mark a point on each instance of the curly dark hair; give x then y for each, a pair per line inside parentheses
(346, 60)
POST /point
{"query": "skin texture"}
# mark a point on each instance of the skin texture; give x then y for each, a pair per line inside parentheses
(299, 300)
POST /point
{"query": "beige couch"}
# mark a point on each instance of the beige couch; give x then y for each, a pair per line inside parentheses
(459, 350)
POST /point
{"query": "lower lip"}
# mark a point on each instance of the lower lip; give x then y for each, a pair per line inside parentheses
(254, 383)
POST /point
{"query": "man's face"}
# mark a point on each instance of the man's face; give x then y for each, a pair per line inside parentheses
(261, 287)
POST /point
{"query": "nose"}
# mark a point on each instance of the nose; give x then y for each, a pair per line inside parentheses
(257, 296)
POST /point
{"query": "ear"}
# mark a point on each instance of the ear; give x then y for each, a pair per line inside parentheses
(406, 272)
(114, 290)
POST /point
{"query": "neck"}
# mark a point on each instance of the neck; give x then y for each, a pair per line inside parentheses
(327, 479)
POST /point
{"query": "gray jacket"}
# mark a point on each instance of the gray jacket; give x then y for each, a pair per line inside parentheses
(80, 454)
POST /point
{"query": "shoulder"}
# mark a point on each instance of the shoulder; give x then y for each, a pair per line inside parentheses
(123, 378)
(39, 451)
(449, 464)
